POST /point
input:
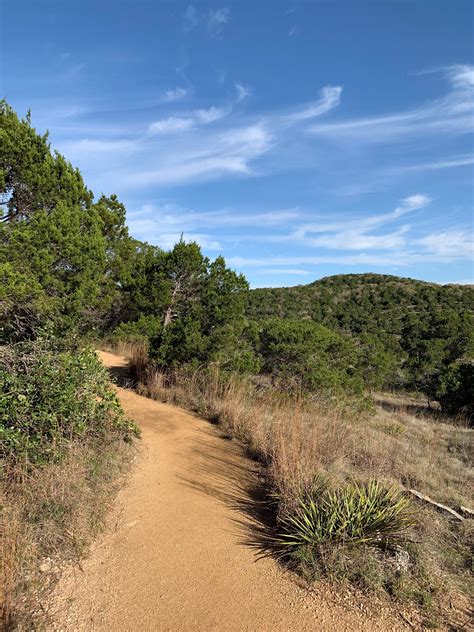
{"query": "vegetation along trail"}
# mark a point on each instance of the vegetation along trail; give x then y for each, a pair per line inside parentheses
(173, 556)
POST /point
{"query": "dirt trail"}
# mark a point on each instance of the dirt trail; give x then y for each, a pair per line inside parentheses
(172, 557)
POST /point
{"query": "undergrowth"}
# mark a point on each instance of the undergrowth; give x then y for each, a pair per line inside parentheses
(65, 443)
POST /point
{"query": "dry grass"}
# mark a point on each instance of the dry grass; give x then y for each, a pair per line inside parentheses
(51, 514)
(298, 439)
(302, 438)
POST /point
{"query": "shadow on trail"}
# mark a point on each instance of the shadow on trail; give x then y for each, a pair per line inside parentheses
(122, 376)
(224, 475)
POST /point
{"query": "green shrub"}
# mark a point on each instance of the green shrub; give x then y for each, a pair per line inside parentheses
(141, 330)
(310, 354)
(49, 397)
(355, 514)
(454, 388)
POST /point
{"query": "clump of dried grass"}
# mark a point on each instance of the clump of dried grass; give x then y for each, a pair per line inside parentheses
(50, 515)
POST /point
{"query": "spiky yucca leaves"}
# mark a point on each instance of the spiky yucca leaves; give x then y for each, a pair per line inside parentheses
(372, 514)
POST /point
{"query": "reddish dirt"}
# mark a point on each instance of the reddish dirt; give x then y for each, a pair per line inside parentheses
(173, 556)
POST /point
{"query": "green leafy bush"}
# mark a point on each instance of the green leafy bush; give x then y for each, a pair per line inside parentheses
(141, 330)
(454, 388)
(354, 513)
(311, 354)
(49, 397)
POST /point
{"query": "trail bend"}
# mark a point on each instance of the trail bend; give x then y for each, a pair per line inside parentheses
(172, 557)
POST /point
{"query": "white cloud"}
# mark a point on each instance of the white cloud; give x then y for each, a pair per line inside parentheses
(168, 216)
(191, 170)
(170, 125)
(151, 232)
(448, 163)
(399, 247)
(195, 150)
(358, 234)
(199, 145)
(90, 148)
(180, 124)
(168, 240)
(461, 75)
(411, 203)
(452, 114)
(455, 243)
(292, 271)
(382, 260)
(461, 282)
(174, 95)
(210, 115)
(216, 19)
(242, 91)
(252, 139)
(190, 18)
(349, 260)
(357, 239)
(329, 98)
(293, 31)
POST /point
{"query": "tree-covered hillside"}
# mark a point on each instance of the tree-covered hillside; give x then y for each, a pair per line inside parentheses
(361, 303)
(409, 333)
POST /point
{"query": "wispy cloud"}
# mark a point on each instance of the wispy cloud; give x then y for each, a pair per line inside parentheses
(329, 98)
(453, 113)
(449, 163)
(359, 233)
(95, 146)
(291, 271)
(469, 281)
(175, 124)
(170, 125)
(293, 31)
(242, 91)
(168, 216)
(151, 232)
(365, 261)
(225, 153)
(452, 244)
(221, 141)
(190, 18)
(173, 95)
(380, 244)
(216, 20)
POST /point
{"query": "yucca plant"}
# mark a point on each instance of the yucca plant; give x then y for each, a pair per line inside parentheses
(372, 514)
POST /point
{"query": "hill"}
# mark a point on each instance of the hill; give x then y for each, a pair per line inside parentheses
(361, 303)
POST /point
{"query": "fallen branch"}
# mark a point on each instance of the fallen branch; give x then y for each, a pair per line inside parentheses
(427, 499)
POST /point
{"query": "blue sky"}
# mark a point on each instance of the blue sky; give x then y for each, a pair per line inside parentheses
(298, 139)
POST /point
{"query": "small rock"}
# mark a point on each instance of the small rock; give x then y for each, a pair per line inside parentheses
(45, 567)
(401, 559)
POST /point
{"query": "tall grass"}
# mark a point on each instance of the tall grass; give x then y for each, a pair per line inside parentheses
(50, 515)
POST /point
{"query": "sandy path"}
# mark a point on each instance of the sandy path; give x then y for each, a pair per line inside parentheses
(172, 557)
